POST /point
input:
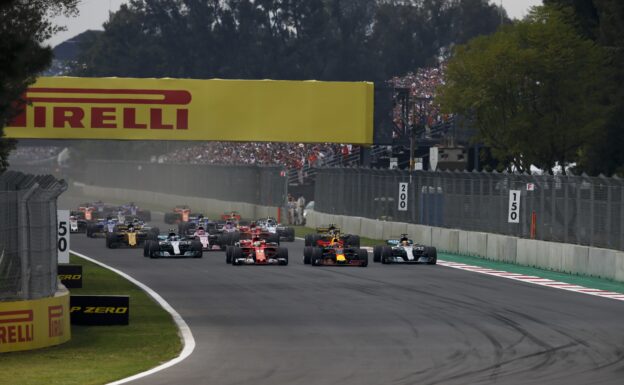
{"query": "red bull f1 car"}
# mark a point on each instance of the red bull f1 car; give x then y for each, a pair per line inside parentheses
(331, 248)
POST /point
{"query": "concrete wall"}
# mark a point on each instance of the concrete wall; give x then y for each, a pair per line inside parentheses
(562, 257)
(554, 256)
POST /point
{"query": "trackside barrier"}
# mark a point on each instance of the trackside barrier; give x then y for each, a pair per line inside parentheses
(561, 257)
(35, 324)
(199, 204)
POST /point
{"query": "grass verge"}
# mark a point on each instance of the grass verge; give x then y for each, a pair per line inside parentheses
(100, 354)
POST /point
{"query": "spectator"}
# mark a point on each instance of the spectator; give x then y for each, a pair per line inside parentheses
(291, 205)
(301, 202)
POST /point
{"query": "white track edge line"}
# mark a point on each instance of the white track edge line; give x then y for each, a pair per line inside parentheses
(184, 330)
(529, 279)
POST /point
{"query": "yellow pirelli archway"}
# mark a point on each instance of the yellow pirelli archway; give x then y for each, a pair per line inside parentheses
(184, 109)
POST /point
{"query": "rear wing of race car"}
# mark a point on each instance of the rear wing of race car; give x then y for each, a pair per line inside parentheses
(396, 240)
(231, 215)
(327, 229)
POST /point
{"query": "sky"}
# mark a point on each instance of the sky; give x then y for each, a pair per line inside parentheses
(93, 13)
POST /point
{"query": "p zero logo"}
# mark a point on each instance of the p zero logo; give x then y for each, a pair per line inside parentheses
(55, 321)
(16, 326)
(105, 109)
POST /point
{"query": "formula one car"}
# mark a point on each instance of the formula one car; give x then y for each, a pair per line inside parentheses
(100, 227)
(77, 224)
(172, 245)
(180, 213)
(403, 250)
(272, 226)
(194, 223)
(209, 240)
(129, 235)
(334, 249)
(86, 211)
(131, 209)
(256, 250)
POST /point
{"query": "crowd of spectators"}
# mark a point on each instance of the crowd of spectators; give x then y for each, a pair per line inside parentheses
(422, 86)
(288, 155)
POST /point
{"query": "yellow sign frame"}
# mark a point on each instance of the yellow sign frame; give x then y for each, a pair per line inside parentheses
(203, 110)
(35, 324)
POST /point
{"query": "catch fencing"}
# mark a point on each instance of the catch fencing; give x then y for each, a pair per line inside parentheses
(250, 184)
(573, 209)
(28, 235)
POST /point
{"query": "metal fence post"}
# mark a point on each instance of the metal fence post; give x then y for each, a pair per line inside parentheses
(23, 237)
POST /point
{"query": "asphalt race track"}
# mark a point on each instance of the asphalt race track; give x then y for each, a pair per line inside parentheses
(299, 324)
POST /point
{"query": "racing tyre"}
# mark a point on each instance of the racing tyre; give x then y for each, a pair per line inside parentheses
(233, 238)
(316, 257)
(432, 253)
(90, 230)
(363, 256)
(307, 254)
(353, 241)
(377, 253)
(228, 254)
(282, 252)
(197, 247)
(273, 238)
(152, 234)
(153, 249)
(236, 253)
(224, 240)
(111, 239)
(146, 248)
(386, 254)
(308, 239)
(289, 234)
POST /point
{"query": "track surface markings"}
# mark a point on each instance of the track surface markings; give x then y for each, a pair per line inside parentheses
(535, 280)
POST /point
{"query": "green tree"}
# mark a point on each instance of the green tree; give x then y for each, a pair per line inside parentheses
(24, 27)
(536, 90)
(603, 21)
(282, 39)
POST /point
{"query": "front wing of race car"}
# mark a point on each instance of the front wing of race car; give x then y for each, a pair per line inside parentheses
(411, 255)
(177, 249)
(257, 256)
(355, 257)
